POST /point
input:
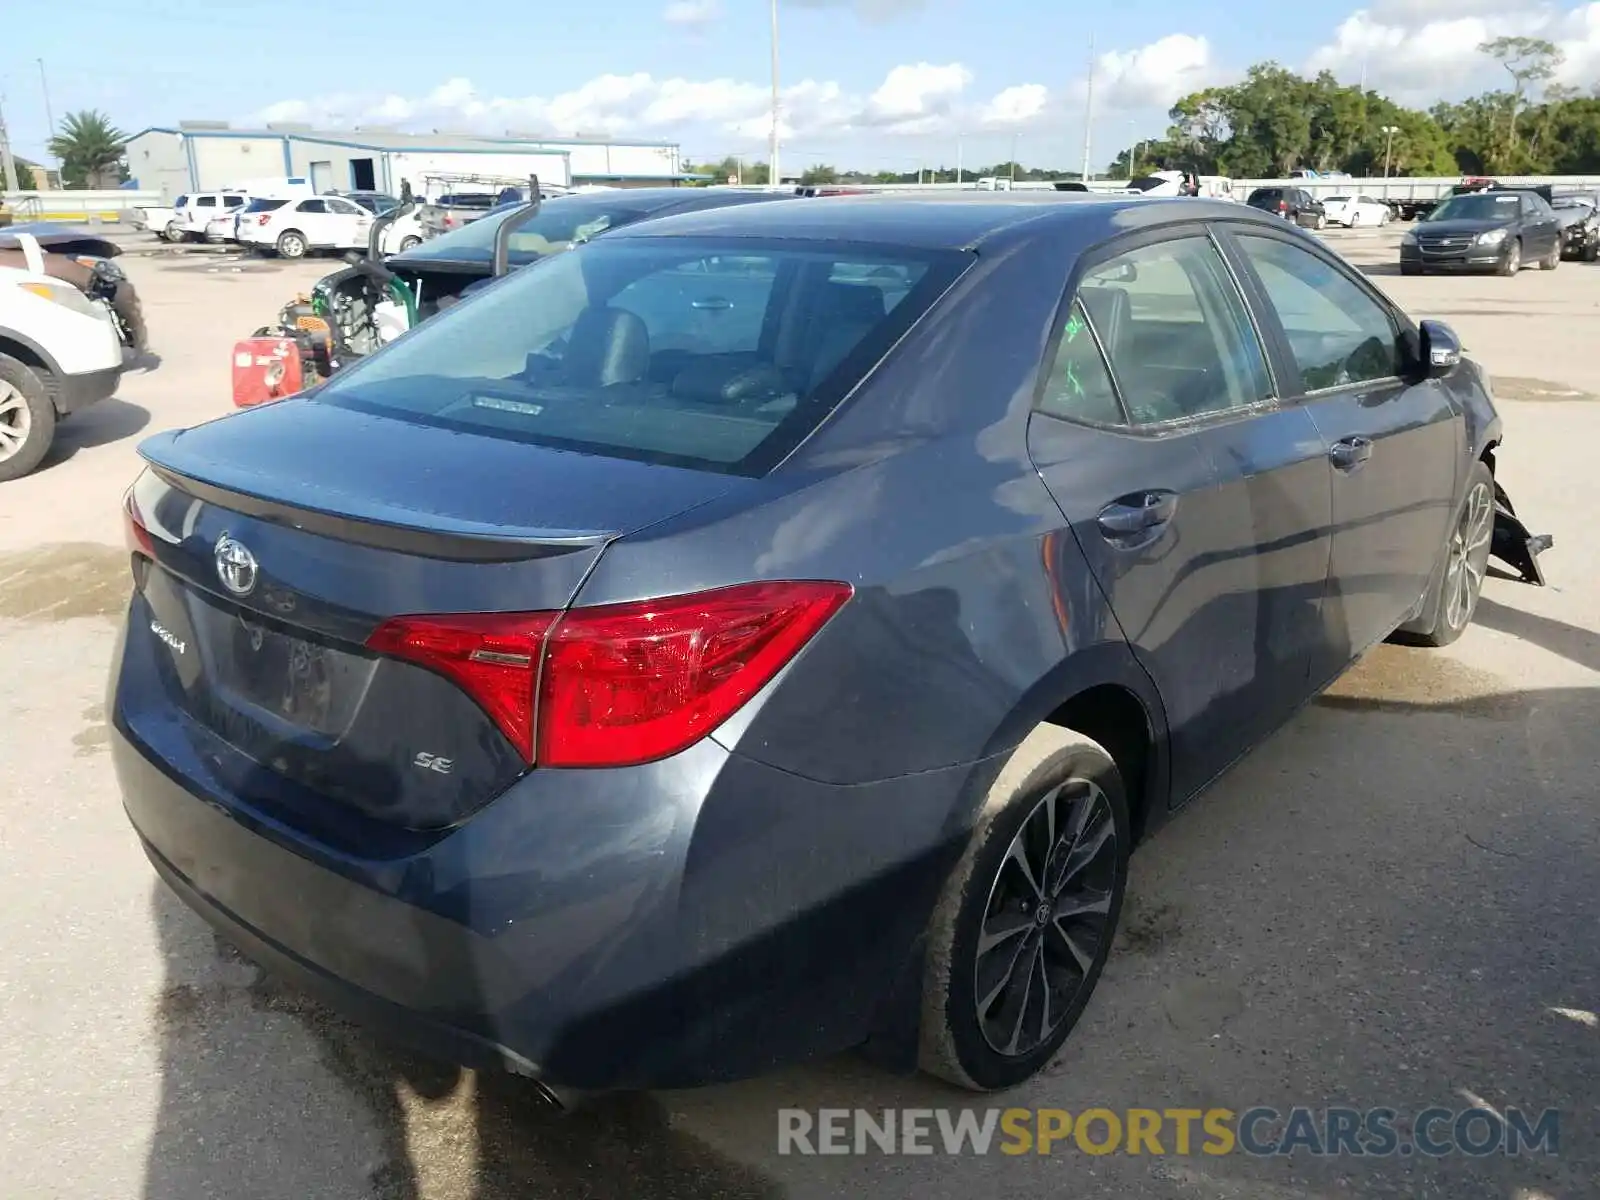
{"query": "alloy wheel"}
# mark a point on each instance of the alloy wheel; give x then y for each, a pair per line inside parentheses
(16, 421)
(1468, 557)
(1047, 918)
(1514, 258)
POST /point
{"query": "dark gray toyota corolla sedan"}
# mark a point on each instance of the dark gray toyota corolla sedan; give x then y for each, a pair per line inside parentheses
(766, 631)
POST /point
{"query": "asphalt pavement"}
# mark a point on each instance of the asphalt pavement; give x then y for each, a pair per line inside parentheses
(1392, 904)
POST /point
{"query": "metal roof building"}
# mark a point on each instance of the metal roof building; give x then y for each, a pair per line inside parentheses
(209, 155)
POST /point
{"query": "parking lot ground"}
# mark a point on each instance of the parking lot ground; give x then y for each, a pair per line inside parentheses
(1390, 904)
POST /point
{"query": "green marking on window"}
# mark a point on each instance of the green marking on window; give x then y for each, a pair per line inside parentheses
(1072, 379)
(1074, 327)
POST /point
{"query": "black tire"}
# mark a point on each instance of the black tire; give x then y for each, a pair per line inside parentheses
(1054, 779)
(291, 244)
(25, 409)
(409, 242)
(1552, 260)
(1447, 610)
(126, 303)
(1591, 252)
(1511, 261)
(172, 234)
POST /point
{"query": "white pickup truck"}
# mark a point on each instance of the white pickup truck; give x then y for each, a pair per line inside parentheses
(59, 353)
(186, 220)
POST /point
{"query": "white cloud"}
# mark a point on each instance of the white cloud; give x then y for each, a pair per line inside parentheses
(914, 98)
(692, 14)
(1421, 50)
(1154, 75)
(1016, 105)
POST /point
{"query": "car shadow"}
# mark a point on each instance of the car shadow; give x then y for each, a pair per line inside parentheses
(100, 424)
(1387, 268)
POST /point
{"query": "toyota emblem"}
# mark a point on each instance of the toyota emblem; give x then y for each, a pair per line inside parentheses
(236, 566)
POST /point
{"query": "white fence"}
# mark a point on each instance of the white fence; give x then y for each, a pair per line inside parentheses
(90, 208)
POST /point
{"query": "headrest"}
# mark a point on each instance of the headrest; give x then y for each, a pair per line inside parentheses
(606, 346)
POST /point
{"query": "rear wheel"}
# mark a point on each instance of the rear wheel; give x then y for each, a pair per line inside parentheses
(27, 419)
(409, 242)
(292, 244)
(1453, 595)
(1023, 927)
(172, 233)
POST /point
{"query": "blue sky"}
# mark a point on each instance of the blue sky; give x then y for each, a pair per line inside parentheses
(866, 82)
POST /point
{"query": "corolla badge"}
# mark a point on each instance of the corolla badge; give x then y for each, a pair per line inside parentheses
(236, 566)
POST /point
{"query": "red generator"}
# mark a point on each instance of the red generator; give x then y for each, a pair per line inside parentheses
(266, 369)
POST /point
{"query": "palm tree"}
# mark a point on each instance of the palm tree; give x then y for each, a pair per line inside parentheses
(90, 150)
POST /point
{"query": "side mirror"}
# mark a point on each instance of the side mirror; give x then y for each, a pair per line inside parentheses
(1440, 350)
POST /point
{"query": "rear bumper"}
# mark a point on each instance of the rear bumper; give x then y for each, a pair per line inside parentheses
(702, 919)
(75, 392)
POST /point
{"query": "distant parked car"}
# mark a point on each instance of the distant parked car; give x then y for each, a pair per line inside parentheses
(1579, 214)
(373, 202)
(1497, 230)
(1291, 203)
(295, 228)
(1351, 211)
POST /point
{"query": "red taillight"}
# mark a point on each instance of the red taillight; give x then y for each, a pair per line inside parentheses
(493, 657)
(619, 684)
(1283, 206)
(629, 683)
(134, 532)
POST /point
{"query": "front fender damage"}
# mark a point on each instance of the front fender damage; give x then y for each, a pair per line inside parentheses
(1513, 545)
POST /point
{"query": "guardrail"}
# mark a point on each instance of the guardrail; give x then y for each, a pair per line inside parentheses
(92, 208)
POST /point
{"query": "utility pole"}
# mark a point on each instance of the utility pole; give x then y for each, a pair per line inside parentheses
(773, 178)
(49, 117)
(1088, 112)
(1133, 149)
(1013, 158)
(959, 143)
(8, 163)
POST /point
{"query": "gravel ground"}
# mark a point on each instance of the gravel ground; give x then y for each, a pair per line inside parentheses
(1389, 904)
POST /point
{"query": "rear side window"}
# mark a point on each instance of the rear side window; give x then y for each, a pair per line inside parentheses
(206, 202)
(1079, 386)
(1339, 334)
(259, 206)
(313, 206)
(712, 355)
(1176, 331)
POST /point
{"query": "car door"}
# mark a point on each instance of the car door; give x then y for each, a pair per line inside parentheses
(1394, 444)
(311, 218)
(348, 224)
(1200, 500)
(201, 210)
(1539, 219)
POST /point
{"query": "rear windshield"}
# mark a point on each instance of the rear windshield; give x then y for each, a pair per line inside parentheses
(719, 355)
(561, 222)
(264, 205)
(1265, 194)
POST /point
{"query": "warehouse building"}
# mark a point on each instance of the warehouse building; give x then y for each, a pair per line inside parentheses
(208, 155)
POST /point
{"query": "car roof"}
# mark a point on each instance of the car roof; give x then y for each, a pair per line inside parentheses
(940, 221)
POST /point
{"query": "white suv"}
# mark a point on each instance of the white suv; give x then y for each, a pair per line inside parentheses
(192, 213)
(314, 223)
(59, 353)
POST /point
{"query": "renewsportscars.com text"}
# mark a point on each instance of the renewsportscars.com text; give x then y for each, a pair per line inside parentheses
(1261, 1132)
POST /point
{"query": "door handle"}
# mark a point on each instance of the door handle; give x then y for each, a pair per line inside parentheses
(1133, 515)
(1349, 453)
(712, 304)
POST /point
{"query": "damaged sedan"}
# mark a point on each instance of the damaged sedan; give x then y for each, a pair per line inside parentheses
(764, 631)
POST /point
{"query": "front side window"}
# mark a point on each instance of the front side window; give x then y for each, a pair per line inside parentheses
(1176, 331)
(715, 355)
(206, 202)
(1339, 334)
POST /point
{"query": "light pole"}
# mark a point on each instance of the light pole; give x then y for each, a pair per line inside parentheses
(1388, 144)
(773, 178)
(1013, 158)
(1088, 112)
(1133, 148)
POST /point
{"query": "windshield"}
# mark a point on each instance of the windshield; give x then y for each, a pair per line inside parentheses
(1572, 202)
(1479, 206)
(716, 355)
(561, 223)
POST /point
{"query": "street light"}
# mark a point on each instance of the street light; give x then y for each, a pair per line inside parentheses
(1388, 144)
(49, 117)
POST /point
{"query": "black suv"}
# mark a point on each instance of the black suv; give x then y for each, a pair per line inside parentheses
(1292, 204)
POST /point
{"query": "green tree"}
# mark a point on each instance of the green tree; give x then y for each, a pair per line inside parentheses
(25, 180)
(90, 149)
(821, 173)
(1529, 61)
